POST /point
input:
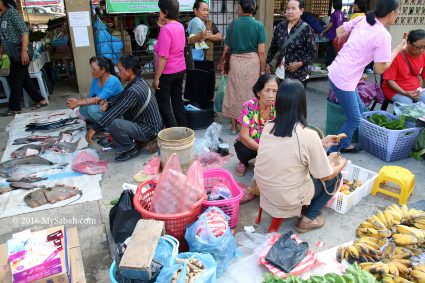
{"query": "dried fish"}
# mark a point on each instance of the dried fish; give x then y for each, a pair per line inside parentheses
(25, 179)
(51, 125)
(9, 166)
(30, 139)
(69, 135)
(51, 195)
(65, 147)
(29, 150)
(23, 185)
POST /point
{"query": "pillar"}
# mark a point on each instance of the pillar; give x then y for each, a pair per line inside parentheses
(265, 14)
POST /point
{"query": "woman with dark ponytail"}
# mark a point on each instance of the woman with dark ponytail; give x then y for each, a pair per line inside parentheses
(369, 41)
(104, 86)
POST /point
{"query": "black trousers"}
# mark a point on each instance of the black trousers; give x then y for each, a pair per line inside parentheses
(19, 78)
(244, 153)
(170, 100)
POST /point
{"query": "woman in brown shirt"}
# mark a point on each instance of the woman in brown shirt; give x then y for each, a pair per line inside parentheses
(292, 165)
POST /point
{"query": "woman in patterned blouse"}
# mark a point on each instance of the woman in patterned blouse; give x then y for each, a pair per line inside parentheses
(301, 51)
(255, 114)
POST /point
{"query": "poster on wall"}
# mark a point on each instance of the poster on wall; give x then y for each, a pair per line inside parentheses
(143, 6)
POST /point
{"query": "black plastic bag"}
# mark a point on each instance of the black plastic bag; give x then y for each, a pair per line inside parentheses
(123, 217)
(286, 253)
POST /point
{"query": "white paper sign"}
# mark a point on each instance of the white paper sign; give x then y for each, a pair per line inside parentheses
(79, 19)
(81, 36)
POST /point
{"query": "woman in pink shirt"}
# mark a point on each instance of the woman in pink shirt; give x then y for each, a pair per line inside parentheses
(170, 65)
(369, 41)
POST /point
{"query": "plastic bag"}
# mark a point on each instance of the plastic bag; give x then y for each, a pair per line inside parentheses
(201, 147)
(210, 160)
(286, 253)
(167, 247)
(149, 171)
(218, 99)
(89, 163)
(220, 192)
(412, 112)
(200, 238)
(212, 136)
(176, 193)
(123, 217)
(207, 276)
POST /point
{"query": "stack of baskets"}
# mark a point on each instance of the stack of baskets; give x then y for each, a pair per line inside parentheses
(387, 145)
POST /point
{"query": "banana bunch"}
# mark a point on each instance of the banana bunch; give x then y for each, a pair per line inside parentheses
(403, 215)
(418, 273)
(378, 226)
(396, 270)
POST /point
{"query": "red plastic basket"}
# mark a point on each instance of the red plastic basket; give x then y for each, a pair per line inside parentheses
(175, 224)
(229, 206)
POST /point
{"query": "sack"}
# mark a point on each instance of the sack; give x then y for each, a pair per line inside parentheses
(176, 193)
(188, 58)
(218, 99)
(286, 253)
(207, 276)
(211, 234)
(123, 217)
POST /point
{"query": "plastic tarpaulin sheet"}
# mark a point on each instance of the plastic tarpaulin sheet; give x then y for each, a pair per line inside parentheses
(107, 45)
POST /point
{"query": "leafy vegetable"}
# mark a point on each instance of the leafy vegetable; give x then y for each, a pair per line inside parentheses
(353, 274)
(418, 151)
(382, 121)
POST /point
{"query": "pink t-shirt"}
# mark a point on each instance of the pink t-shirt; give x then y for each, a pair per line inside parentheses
(170, 44)
(366, 44)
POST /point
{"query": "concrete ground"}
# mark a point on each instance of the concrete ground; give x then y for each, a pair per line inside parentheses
(95, 239)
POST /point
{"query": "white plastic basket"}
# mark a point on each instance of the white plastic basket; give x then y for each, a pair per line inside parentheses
(35, 65)
(342, 202)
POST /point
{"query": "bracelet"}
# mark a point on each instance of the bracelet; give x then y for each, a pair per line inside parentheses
(87, 101)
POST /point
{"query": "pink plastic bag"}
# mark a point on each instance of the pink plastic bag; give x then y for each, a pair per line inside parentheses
(89, 163)
(176, 193)
(152, 167)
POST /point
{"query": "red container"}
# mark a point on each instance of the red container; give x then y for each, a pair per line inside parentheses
(175, 224)
(229, 206)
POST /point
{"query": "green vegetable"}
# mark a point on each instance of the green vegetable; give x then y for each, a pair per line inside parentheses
(353, 274)
(419, 148)
(382, 121)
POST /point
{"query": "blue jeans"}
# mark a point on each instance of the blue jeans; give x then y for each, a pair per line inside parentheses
(320, 198)
(353, 107)
(407, 100)
(91, 112)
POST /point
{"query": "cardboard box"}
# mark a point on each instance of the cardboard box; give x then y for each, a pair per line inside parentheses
(74, 262)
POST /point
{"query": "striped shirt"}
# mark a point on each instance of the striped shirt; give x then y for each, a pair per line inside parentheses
(128, 103)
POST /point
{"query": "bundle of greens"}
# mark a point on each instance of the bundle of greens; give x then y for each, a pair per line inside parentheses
(418, 151)
(353, 274)
(412, 112)
(382, 121)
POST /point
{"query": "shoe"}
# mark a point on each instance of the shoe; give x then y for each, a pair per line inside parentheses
(306, 224)
(9, 113)
(127, 155)
(240, 170)
(152, 145)
(355, 149)
(39, 105)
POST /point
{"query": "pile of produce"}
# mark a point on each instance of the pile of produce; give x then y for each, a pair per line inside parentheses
(388, 245)
(350, 186)
(391, 124)
(353, 274)
(194, 268)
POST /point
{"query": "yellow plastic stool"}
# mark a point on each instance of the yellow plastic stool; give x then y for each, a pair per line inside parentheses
(399, 176)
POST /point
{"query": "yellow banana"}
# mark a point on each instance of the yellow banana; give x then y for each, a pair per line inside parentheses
(402, 253)
(361, 232)
(418, 233)
(369, 245)
(420, 267)
(388, 251)
(396, 208)
(397, 215)
(364, 265)
(419, 225)
(418, 275)
(388, 278)
(405, 211)
(340, 252)
(380, 215)
(367, 225)
(389, 218)
(393, 269)
(413, 213)
(385, 268)
(403, 239)
(401, 267)
(375, 221)
(400, 279)
(384, 233)
(354, 252)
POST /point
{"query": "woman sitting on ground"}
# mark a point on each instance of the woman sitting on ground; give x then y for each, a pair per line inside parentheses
(291, 165)
(255, 114)
(104, 86)
(401, 80)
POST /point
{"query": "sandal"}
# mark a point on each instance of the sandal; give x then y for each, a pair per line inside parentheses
(39, 105)
(240, 170)
(9, 113)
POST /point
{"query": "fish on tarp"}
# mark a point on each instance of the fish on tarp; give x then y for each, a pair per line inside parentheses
(4, 190)
(26, 166)
(51, 195)
(29, 150)
(51, 125)
(24, 186)
(68, 135)
(30, 139)
(26, 179)
(65, 147)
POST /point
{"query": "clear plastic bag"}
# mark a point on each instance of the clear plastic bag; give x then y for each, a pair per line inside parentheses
(207, 276)
(89, 163)
(176, 193)
(200, 237)
(220, 192)
(212, 136)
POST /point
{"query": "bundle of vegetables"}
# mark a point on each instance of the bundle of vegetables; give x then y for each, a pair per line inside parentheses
(418, 151)
(388, 245)
(382, 121)
(412, 112)
(353, 274)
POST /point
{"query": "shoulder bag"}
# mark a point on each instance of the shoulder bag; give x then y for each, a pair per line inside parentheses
(188, 56)
(340, 40)
(409, 65)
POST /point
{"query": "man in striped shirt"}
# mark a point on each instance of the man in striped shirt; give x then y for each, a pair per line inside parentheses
(132, 116)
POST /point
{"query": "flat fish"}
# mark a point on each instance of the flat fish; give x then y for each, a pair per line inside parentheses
(65, 147)
(9, 166)
(30, 139)
(28, 150)
(35, 198)
(51, 195)
(25, 170)
(23, 185)
(25, 179)
(51, 125)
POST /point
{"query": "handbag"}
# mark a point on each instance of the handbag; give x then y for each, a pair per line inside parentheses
(409, 65)
(339, 41)
(226, 67)
(190, 65)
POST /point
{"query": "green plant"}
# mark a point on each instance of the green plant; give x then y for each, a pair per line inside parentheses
(382, 121)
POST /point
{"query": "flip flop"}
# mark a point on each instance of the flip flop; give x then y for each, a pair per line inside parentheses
(9, 113)
(39, 105)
